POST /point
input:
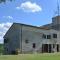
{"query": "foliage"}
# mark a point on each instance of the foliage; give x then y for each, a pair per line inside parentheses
(1, 48)
(1, 1)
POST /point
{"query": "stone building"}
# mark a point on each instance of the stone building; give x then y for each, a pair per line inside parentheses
(23, 38)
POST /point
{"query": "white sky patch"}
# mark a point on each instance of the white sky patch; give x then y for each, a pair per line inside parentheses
(29, 7)
(1, 39)
(8, 17)
(3, 29)
(18, 8)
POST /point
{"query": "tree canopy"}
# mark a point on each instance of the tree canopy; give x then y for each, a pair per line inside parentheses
(1, 1)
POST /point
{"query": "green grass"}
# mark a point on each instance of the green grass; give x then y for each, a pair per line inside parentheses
(44, 56)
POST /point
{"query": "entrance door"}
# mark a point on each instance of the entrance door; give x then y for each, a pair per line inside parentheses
(46, 48)
(49, 48)
(57, 47)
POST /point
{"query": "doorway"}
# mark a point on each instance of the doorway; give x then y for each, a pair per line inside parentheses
(57, 47)
(46, 48)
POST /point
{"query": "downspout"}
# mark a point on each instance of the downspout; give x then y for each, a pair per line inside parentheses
(21, 39)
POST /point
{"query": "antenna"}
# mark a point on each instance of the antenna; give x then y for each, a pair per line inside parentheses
(57, 12)
(58, 8)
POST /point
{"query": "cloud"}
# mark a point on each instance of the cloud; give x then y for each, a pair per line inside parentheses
(3, 29)
(8, 17)
(18, 8)
(29, 7)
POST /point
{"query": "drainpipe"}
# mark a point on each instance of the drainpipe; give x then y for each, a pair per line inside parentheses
(21, 39)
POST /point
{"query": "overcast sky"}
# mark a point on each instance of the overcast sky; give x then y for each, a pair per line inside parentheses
(32, 12)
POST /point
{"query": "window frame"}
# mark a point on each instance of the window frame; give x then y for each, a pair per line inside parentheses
(6, 40)
(54, 35)
(44, 36)
(48, 36)
(26, 41)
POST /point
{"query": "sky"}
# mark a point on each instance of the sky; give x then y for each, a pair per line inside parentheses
(31, 12)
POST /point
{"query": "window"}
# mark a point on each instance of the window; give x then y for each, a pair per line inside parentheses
(34, 45)
(48, 36)
(6, 40)
(44, 36)
(54, 35)
(26, 41)
(6, 49)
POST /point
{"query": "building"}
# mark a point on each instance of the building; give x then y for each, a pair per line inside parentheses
(22, 38)
(55, 23)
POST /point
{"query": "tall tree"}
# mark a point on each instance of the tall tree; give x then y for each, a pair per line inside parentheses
(1, 1)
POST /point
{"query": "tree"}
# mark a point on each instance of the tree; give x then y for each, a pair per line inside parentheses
(1, 1)
(1, 49)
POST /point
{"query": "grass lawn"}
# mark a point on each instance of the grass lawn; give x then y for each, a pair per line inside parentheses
(43, 56)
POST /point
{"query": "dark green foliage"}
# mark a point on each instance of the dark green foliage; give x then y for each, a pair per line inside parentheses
(1, 1)
(1, 48)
